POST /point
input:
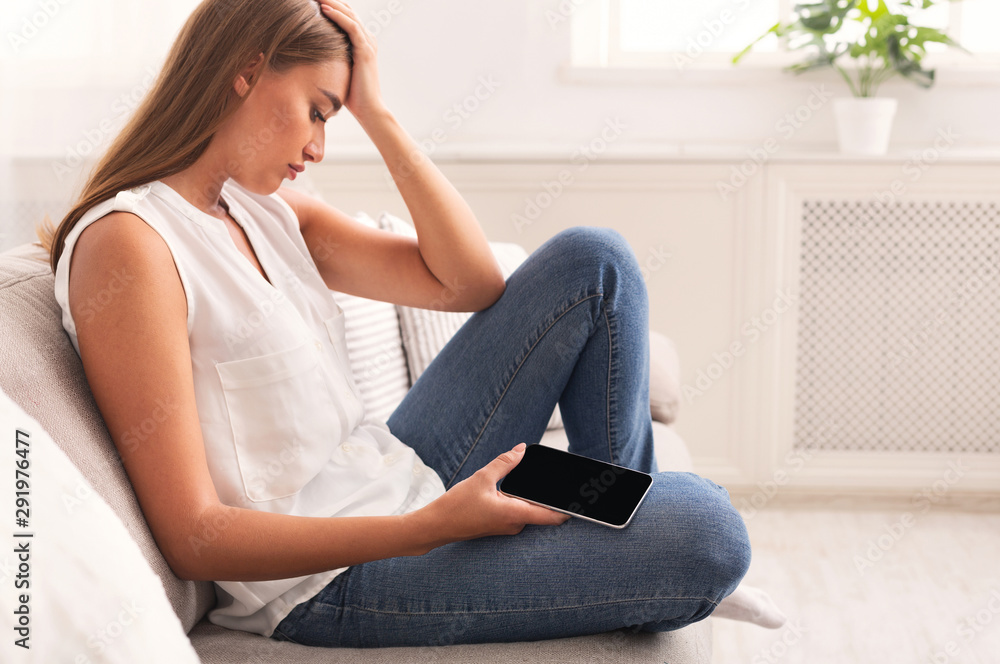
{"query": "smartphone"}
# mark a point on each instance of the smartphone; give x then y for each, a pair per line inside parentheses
(577, 485)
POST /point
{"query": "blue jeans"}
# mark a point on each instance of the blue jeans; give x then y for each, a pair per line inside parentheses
(573, 328)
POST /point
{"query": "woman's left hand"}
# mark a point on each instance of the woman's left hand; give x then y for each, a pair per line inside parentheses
(364, 96)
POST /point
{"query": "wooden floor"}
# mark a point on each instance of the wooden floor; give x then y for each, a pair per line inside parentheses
(872, 585)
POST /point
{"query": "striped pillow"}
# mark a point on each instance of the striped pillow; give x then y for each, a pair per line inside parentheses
(425, 331)
(375, 348)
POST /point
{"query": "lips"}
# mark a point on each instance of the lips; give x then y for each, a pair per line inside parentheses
(294, 170)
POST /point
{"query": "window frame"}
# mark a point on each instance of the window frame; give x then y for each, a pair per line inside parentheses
(597, 56)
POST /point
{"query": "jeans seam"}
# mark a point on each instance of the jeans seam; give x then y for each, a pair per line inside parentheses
(507, 386)
(524, 610)
(285, 636)
(611, 452)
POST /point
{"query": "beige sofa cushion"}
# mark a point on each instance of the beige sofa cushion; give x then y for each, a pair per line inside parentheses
(664, 378)
(41, 372)
(92, 597)
(691, 645)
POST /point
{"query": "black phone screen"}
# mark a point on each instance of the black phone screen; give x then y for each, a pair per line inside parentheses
(578, 485)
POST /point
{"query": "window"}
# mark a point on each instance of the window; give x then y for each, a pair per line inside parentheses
(680, 34)
(974, 23)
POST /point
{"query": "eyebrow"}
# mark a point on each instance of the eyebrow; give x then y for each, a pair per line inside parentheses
(334, 99)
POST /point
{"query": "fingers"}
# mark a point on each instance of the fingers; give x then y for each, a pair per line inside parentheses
(362, 41)
(340, 5)
(500, 466)
(337, 10)
(540, 516)
(528, 512)
(549, 517)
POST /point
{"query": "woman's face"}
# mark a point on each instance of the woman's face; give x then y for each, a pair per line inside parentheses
(281, 124)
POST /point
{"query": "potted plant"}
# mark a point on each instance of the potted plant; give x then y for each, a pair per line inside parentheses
(882, 43)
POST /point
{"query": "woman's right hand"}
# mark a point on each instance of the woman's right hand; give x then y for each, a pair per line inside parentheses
(475, 508)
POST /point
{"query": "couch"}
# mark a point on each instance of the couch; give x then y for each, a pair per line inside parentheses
(44, 387)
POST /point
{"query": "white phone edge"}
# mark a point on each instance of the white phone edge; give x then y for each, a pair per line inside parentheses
(587, 518)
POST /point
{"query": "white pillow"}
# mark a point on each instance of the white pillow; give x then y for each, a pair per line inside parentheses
(425, 331)
(375, 348)
(93, 596)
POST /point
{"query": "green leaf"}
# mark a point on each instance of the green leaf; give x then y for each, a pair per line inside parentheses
(772, 30)
(889, 45)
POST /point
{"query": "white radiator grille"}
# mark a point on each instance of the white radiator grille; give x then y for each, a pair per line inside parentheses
(899, 328)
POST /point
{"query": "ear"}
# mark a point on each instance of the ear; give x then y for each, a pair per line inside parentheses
(248, 75)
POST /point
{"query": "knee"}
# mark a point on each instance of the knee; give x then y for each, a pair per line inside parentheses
(590, 241)
(606, 248)
(725, 553)
(714, 543)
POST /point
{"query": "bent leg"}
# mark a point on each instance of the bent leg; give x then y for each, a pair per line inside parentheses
(572, 327)
(685, 550)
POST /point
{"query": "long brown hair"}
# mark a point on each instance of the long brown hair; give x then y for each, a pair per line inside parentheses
(194, 95)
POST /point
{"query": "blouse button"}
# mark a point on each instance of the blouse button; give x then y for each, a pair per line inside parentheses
(345, 447)
(319, 345)
(389, 458)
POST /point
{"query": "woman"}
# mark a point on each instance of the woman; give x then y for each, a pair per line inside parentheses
(242, 440)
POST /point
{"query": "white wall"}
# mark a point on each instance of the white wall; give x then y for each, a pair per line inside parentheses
(433, 58)
(433, 55)
(513, 41)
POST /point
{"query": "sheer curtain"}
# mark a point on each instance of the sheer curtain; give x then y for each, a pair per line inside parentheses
(71, 72)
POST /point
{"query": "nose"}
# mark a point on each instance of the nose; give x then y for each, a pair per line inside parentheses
(314, 150)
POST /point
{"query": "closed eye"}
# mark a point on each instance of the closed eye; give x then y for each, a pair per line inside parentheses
(316, 115)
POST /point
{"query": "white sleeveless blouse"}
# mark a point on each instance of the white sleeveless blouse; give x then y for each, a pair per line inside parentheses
(282, 419)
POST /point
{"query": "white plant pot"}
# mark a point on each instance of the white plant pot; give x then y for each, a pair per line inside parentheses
(864, 123)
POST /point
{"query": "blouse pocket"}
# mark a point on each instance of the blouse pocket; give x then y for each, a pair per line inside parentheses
(285, 418)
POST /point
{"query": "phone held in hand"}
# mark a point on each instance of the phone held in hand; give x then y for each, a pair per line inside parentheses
(577, 485)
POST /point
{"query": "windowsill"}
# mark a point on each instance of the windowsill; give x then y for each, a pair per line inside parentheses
(659, 152)
(982, 75)
(508, 152)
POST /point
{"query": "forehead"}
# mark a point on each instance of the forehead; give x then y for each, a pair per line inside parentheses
(332, 76)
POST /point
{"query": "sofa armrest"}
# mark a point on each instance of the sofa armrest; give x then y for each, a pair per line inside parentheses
(664, 378)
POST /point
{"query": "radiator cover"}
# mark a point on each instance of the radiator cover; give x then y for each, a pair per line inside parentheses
(899, 326)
